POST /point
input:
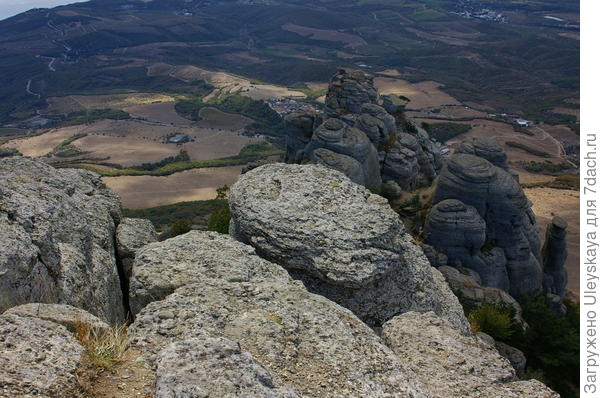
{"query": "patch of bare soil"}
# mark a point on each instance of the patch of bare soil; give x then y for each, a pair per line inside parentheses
(129, 378)
(547, 203)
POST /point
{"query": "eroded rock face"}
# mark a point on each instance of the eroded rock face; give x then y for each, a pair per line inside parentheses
(510, 224)
(342, 241)
(348, 90)
(453, 365)
(458, 231)
(213, 367)
(554, 255)
(364, 140)
(337, 137)
(132, 235)
(57, 231)
(37, 358)
(160, 268)
(486, 148)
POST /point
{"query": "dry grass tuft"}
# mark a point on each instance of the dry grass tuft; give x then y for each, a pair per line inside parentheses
(104, 347)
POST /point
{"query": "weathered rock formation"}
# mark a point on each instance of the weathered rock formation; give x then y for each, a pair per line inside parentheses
(363, 136)
(554, 255)
(487, 148)
(132, 235)
(461, 366)
(57, 234)
(509, 222)
(342, 241)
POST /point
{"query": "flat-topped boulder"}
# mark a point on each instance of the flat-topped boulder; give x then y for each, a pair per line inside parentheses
(343, 241)
(57, 238)
(160, 268)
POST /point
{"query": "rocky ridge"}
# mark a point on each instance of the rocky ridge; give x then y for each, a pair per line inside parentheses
(247, 328)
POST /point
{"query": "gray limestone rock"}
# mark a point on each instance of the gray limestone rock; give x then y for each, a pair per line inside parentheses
(298, 131)
(401, 162)
(554, 255)
(486, 148)
(213, 368)
(65, 315)
(309, 343)
(510, 223)
(377, 124)
(57, 230)
(160, 268)
(348, 90)
(459, 232)
(451, 365)
(342, 163)
(336, 136)
(132, 235)
(37, 358)
(340, 239)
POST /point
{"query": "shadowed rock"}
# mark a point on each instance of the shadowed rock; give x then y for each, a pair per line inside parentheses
(340, 239)
(348, 90)
(299, 129)
(132, 235)
(510, 223)
(57, 238)
(554, 255)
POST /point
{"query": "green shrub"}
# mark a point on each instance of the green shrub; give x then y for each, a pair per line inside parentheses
(180, 227)
(219, 220)
(6, 152)
(493, 320)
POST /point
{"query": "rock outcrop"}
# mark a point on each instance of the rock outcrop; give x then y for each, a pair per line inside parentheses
(37, 358)
(461, 366)
(62, 314)
(364, 136)
(509, 221)
(57, 233)
(342, 241)
(309, 343)
(554, 255)
(160, 268)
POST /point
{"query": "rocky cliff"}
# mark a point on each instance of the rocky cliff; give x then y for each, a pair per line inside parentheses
(214, 318)
(364, 136)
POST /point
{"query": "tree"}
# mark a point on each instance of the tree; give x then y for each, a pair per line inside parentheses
(180, 227)
(219, 219)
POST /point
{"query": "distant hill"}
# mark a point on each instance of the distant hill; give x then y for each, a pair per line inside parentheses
(504, 54)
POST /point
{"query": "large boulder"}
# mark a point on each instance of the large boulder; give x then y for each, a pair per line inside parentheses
(451, 365)
(213, 367)
(499, 200)
(160, 268)
(38, 358)
(57, 234)
(343, 241)
(554, 255)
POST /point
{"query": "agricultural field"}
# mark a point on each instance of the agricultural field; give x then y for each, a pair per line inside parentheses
(139, 192)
